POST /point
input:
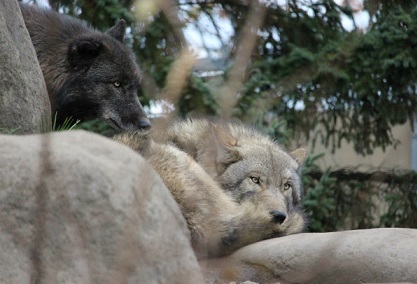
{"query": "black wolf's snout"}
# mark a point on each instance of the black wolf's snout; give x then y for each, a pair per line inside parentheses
(278, 216)
(144, 124)
(134, 121)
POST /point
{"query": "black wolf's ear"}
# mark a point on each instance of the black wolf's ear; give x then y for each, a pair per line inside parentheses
(118, 30)
(83, 52)
(299, 155)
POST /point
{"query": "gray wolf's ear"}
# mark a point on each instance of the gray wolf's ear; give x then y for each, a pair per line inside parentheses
(299, 155)
(118, 30)
(225, 146)
(83, 52)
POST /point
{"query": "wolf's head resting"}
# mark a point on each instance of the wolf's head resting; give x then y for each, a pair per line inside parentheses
(260, 176)
(89, 74)
(234, 185)
(104, 81)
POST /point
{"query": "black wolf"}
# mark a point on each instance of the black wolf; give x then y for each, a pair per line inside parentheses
(88, 74)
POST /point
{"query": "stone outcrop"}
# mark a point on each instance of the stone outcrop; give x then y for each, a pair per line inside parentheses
(24, 101)
(79, 208)
(386, 255)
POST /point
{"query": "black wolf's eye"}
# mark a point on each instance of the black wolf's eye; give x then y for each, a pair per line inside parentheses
(117, 84)
(255, 180)
(287, 186)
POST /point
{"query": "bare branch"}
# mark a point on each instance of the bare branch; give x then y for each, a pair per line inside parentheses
(229, 93)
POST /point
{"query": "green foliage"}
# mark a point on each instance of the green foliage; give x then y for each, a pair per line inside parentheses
(8, 131)
(319, 199)
(357, 86)
(101, 14)
(346, 199)
(155, 48)
(307, 69)
(402, 202)
(97, 126)
(278, 129)
(68, 124)
(197, 98)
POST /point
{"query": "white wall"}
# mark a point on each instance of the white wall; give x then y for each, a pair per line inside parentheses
(399, 157)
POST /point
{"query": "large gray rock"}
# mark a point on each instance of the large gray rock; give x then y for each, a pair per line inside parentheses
(24, 102)
(362, 256)
(79, 208)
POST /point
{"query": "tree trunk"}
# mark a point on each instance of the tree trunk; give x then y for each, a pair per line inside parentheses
(24, 102)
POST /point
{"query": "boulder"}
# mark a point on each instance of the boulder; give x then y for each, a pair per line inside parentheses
(24, 101)
(79, 208)
(384, 255)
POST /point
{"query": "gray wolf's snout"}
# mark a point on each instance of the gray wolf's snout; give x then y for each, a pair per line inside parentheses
(278, 216)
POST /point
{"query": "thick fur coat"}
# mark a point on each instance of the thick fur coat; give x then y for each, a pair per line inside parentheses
(234, 185)
(88, 74)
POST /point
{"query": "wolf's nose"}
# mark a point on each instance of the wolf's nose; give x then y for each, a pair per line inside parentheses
(144, 124)
(278, 216)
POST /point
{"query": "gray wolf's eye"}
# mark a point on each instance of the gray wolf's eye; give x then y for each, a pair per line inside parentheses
(117, 84)
(287, 186)
(255, 180)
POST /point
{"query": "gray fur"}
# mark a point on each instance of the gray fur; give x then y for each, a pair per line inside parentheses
(231, 152)
(211, 170)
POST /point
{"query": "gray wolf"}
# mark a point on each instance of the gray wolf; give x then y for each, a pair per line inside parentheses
(88, 74)
(234, 185)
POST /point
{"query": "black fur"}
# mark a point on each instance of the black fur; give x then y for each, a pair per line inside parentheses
(89, 74)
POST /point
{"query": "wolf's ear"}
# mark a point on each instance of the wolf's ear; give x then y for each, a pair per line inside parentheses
(118, 30)
(220, 152)
(83, 52)
(299, 155)
(225, 146)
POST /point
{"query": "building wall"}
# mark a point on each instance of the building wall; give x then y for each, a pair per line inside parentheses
(399, 157)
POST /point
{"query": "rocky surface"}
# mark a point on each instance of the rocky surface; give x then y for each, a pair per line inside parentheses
(78, 208)
(24, 102)
(386, 255)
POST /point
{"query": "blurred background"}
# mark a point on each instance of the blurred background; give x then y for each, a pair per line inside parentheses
(338, 77)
